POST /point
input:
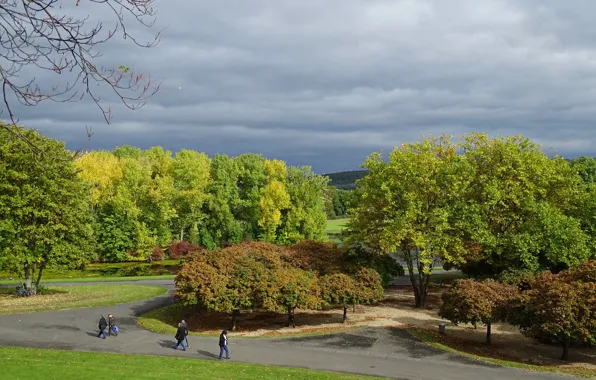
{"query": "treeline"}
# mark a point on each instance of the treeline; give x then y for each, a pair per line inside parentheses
(141, 199)
(345, 180)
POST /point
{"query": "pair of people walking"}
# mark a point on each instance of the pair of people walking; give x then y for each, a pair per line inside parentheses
(110, 325)
(182, 336)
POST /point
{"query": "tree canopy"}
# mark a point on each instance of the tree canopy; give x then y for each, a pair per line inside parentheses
(142, 199)
(483, 205)
(45, 207)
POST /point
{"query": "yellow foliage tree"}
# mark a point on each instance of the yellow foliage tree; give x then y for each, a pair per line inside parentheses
(102, 170)
(274, 198)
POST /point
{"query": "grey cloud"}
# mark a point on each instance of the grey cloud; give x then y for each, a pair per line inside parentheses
(325, 83)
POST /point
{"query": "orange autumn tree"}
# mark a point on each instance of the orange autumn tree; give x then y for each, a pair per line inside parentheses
(469, 301)
(263, 276)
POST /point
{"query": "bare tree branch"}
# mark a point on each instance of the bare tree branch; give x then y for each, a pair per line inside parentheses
(40, 35)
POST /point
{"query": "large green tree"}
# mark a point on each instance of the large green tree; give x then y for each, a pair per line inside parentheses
(45, 207)
(406, 204)
(520, 207)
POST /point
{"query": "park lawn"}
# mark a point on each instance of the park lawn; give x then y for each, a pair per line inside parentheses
(97, 279)
(73, 297)
(434, 340)
(43, 364)
(106, 270)
(336, 225)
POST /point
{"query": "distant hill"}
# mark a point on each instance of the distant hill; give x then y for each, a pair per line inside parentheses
(345, 180)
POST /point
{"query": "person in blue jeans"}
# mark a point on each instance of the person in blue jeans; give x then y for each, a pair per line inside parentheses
(180, 335)
(102, 326)
(223, 344)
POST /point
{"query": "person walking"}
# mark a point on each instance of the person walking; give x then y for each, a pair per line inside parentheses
(223, 344)
(112, 325)
(102, 326)
(180, 335)
(185, 325)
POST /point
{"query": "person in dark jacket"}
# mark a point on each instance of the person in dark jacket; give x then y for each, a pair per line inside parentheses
(223, 344)
(111, 325)
(102, 326)
(185, 325)
(180, 335)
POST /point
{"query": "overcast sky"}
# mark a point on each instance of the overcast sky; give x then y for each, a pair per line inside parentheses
(324, 83)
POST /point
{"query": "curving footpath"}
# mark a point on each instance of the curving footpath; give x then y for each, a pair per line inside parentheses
(383, 352)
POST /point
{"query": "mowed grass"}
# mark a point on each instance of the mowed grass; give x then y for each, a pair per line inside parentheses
(334, 229)
(336, 225)
(73, 297)
(106, 272)
(43, 364)
(96, 279)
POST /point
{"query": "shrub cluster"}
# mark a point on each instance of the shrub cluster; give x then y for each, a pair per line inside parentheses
(549, 307)
(264, 276)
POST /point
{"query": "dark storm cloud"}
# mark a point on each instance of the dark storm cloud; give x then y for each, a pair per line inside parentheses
(327, 82)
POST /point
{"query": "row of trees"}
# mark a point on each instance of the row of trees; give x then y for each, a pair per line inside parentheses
(337, 202)
(58, 209)
(141, 199)
(483, 205)
(553, 307)
(264, 276)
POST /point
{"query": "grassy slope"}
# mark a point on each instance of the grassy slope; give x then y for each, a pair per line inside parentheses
(40, 364)
(73, 297)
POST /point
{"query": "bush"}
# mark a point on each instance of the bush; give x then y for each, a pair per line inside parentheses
(469, 301)
(157, 253)
(180, 249)
(559, 307)
(259, 275)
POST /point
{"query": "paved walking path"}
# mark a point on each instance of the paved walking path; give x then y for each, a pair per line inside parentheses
(383, 352)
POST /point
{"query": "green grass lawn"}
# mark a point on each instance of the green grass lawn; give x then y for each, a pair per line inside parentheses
(42, 364)
(72, 297)
(334, 229)
(165, 269)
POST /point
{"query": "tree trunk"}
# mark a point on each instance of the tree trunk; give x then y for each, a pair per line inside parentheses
(488, 331)
(235, 315)
(410, 264)
(353, 307)
(565, 355)
(345, 313)
(27, 276)
(181, 233)
(39, 277)
(291, 322)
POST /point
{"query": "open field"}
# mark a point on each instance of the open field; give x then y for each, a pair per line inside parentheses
(72, 297)
(334, 229)
(42, 364)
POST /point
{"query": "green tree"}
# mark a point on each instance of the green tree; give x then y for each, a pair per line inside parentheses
(221, 224)
(519, 208)
(191, 178)
(586, 168)
(406, 206)
(251, 179)
(305, 217)
(45, 209)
